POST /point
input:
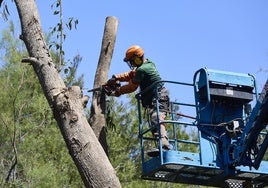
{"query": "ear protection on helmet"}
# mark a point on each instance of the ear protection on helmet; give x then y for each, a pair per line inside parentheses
(137, 61)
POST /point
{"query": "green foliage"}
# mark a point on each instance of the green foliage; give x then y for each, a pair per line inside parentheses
(59, 31)
(32, 150)
(70, 73)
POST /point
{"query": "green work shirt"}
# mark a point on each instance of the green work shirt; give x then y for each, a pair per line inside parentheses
(146, 75)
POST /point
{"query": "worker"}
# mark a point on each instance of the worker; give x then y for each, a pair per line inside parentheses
(143, 74)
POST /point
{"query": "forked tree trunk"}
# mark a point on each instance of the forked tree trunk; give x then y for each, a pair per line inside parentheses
(97, 116)
(66, 104)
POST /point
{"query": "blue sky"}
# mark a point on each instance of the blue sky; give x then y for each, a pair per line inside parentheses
(180, 36)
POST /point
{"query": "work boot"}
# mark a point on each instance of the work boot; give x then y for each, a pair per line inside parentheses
(165, 143)
(164, 138)
(154, 152)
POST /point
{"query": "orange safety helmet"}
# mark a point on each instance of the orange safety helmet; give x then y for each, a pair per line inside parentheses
(133, 51)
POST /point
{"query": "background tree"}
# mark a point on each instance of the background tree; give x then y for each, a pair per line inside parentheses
(32, 151)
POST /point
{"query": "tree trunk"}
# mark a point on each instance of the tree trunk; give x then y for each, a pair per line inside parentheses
(66, 104)
(97, 116)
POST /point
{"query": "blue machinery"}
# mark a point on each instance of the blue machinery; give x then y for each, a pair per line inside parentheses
(230, 137)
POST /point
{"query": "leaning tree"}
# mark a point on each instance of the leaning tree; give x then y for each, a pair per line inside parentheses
(68, 104)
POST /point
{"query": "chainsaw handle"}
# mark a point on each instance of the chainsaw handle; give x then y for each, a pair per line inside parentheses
(109, 89)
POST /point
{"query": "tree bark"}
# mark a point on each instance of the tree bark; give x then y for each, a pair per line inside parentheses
(97, 116)
(66, 104)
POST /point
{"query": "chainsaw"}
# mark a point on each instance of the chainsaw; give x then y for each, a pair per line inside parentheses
(108, 89)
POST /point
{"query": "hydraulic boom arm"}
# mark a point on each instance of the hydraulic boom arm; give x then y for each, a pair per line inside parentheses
(253, 152)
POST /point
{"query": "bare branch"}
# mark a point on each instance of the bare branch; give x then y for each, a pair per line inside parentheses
(30, 60)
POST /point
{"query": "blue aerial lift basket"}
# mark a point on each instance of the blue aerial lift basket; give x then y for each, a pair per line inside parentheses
(228, 139)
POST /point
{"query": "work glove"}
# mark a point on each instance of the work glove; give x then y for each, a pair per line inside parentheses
(111, 81)
(116, 92)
